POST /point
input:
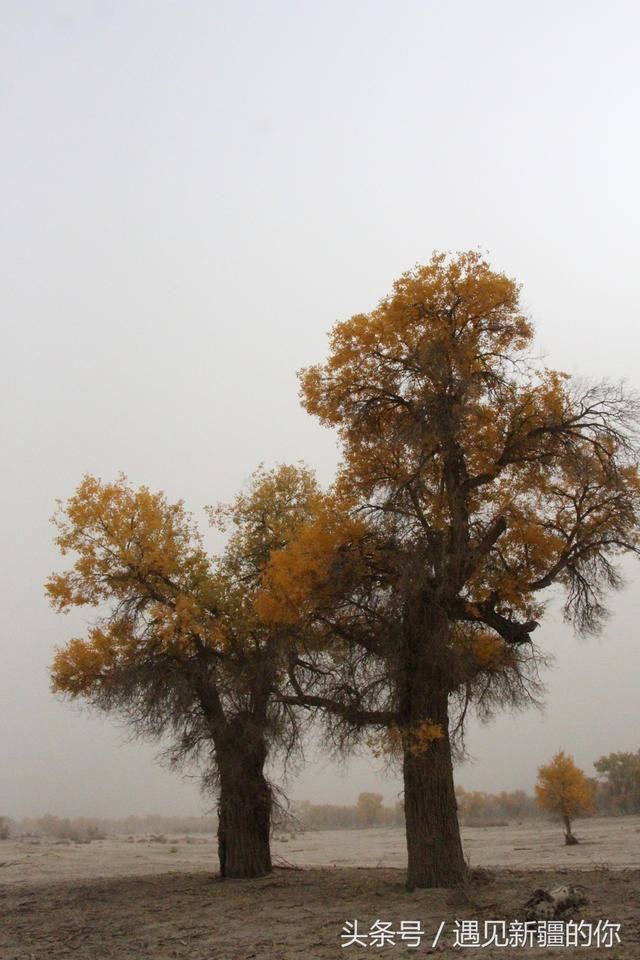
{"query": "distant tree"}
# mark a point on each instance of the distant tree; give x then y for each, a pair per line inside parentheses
(176, 647)
(473, 479)
(475, 808)
(327, 816)
(516, 803)
(370, 810)
(5, 828)
(563, 789)
(621, 784)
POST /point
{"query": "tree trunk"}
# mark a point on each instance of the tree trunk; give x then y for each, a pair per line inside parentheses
(244, 809)
(569, 838)
(435, 857)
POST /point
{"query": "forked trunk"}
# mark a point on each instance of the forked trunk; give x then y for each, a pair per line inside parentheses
(435, 857)
(244, 812)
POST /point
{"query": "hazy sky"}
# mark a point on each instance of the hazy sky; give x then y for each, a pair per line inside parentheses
(192, 194)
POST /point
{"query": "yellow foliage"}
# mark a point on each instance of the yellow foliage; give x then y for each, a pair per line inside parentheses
(398, 740)
(369, 809)
(134, 550)
(448, 427)
(489, 649)
(265, 518)
(563, 788)
(297, 575)
(140, 558)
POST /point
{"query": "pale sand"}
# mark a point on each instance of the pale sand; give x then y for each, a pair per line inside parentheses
(129, 900)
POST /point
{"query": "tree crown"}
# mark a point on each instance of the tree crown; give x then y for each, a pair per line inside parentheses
(563, 788)
(496, 476)
(175, 629)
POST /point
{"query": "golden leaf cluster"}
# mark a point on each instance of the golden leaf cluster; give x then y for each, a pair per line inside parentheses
(401, 740)
(563, 788)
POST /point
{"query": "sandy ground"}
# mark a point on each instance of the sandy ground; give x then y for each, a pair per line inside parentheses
(124, 899)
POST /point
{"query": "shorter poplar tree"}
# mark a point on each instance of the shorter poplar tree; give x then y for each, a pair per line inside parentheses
(564, 790)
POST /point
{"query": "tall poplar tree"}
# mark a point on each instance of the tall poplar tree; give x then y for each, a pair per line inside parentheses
(473, 479)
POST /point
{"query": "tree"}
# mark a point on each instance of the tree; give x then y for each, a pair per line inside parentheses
(369, 809)
(176, 647)
(621, 787)
(473, 478)
(563, 789)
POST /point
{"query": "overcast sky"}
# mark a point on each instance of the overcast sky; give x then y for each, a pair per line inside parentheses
(192, 194)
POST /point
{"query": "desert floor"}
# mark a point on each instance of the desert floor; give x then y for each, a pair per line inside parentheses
(130, 898)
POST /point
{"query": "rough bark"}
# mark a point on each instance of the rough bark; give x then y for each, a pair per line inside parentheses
(434, 847)
(244, 810)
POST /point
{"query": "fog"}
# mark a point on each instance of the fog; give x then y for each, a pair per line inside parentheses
(192, 194)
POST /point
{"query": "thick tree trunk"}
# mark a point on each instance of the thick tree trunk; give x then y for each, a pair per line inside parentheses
(435, 857)
(244, 811)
